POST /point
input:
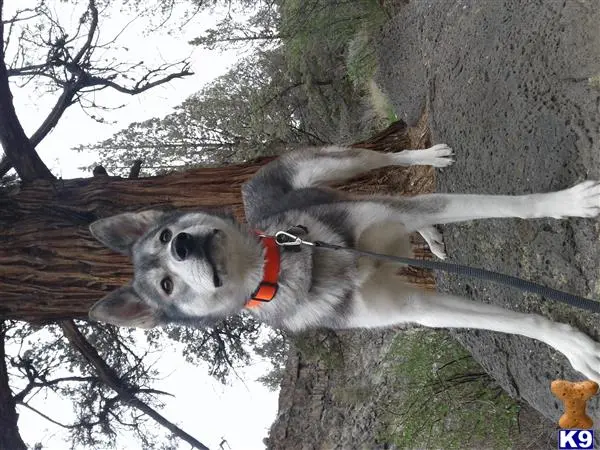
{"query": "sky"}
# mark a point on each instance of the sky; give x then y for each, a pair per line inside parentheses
(240, 412)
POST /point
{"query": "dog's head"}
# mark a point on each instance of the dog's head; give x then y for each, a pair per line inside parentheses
(188, 267)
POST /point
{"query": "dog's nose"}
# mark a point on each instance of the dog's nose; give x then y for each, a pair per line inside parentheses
(182, 246)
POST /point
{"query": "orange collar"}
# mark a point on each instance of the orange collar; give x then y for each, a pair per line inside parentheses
(267, 289)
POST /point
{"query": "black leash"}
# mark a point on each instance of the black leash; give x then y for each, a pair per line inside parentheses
(287, 239)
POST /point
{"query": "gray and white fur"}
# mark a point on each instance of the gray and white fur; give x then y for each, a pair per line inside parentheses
(200, 267)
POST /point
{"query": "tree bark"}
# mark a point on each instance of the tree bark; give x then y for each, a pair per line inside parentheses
(9, 431)
(5, 165)
(50, 266)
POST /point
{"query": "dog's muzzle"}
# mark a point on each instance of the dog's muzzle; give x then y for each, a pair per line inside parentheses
(185, 245)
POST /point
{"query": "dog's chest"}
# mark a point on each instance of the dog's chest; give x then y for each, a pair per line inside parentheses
(313, 283)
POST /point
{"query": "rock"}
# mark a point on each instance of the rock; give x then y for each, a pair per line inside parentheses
(331, 390)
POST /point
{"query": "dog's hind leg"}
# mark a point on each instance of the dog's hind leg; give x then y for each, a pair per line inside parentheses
(437, 156)
(434, 240)
(334, 163)
(315, 167)
(388, 302)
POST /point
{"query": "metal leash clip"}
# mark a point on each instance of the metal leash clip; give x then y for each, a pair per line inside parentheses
(285, 239)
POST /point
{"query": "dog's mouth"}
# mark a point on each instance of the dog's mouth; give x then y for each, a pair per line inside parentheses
(209, 249)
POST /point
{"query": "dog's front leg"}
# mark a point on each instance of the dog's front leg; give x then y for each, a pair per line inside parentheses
(581, 200)
(387, 302)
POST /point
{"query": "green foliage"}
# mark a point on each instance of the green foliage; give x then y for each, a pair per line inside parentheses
(323, 346)
(449, 401)
(318, 37)
(248, 112)
(305, 83)
(360, 60)
(246, 24)
(44, 365)
(323, 29)
(275, 348)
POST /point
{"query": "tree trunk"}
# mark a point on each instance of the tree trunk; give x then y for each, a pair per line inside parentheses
(17, 147)
(50, 266)
(9, 431)
(52, 269)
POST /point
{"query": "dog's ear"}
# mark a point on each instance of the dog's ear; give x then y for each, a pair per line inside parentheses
(124, 307)
(120, 232)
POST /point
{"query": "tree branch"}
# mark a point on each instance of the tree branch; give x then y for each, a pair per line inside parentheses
(75, 75)
(134, 172)
(16, 17)
(154, 391)
(108, 375)
(64, 101)
(20, 397)
(139, 87)
(91, 32)
(26, 71)
(49, 419)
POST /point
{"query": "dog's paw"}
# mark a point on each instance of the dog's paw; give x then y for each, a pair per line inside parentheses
(582, 352)
(434, 240)
(582, 200)
(439, 155)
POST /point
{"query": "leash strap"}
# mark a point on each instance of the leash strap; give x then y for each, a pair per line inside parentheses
(287, 239)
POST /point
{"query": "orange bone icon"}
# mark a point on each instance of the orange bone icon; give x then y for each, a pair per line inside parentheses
(574, 396)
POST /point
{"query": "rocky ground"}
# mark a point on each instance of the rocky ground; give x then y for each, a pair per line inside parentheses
(513, 86)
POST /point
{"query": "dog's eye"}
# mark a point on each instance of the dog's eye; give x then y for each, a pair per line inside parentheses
(167, 285)
(165, 236)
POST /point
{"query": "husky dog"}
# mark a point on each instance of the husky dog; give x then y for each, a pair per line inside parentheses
(197, 268)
